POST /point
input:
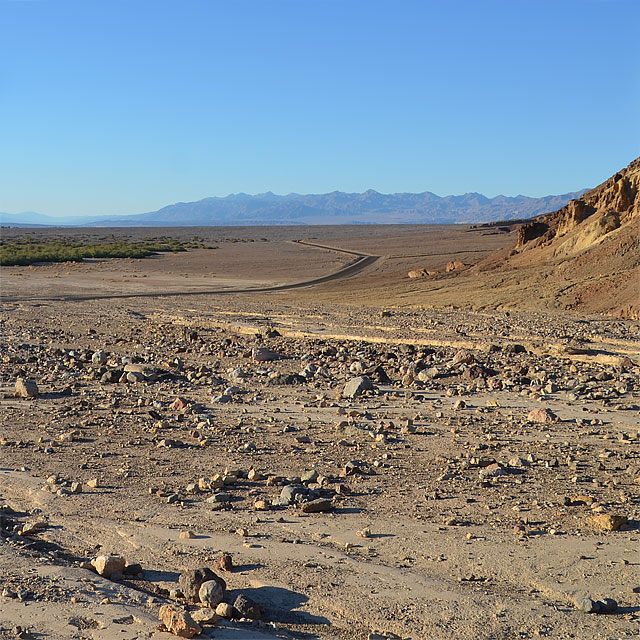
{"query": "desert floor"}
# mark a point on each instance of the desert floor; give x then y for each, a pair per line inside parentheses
(448, 508)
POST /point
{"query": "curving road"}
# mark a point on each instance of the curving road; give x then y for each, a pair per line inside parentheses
(362, 261)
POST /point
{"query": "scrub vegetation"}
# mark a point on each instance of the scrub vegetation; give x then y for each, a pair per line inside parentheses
(26, 251)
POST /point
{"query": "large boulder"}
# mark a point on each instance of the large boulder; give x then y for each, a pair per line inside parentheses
(191, 580)
(26, 388)
(178, 621)
(543, 415)
(262, 354)
(247, 608)
(106, 566)
(211, 593)
(356, 387)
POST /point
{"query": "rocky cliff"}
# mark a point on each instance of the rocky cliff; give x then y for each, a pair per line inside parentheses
(591, 217)
(589, 249)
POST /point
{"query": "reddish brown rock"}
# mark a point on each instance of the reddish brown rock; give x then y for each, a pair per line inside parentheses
(542, 415)
(179, 404)
(224, 563)
(463, 356)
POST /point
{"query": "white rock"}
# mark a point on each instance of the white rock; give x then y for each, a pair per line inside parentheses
(211, 593)
(26, 388)
(106, 566)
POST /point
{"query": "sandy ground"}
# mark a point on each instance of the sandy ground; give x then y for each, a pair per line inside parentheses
(251, 257)
(462, 518)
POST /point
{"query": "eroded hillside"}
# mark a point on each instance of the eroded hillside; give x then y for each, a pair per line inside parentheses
(592, 245)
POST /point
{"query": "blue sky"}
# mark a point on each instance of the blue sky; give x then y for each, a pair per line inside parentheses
(123, 106)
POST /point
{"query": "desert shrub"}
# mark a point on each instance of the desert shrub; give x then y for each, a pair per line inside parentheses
(29, 251)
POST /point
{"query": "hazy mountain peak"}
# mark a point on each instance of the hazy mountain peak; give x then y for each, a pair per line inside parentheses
(336, 207)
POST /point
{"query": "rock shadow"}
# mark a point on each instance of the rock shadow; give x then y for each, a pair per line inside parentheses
(345, 510)
(632, 525)
(154, 575)
(247, 567)
(625, 610)
(280, 605)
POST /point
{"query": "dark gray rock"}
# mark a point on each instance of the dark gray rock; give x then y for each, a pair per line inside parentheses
(288, 378)
(111, 377)
(247, 608)
(289, 493)
(190, 582)
(608, 605)
(356, 387)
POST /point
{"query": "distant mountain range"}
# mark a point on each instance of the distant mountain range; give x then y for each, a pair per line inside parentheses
(336, 207)
(31, 219)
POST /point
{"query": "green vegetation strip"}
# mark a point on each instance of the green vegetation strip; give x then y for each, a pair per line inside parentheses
(27, 251)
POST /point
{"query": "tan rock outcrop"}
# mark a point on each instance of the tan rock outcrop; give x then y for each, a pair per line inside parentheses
(455, 265)
(178, 621)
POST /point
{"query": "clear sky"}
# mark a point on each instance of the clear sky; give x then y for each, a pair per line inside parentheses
(124, 106)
